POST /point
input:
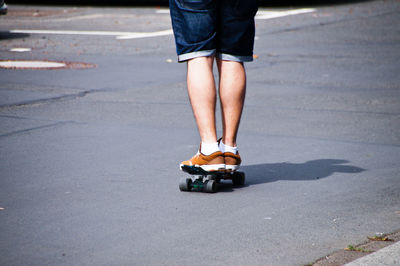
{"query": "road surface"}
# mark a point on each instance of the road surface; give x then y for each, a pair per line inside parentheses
(89, 156)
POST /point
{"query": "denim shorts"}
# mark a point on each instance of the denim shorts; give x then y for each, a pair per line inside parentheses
(224, 28)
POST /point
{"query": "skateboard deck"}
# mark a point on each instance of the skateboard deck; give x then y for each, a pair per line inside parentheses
(203, 181)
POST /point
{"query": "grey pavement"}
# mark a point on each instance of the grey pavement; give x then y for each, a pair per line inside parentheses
(89, 157)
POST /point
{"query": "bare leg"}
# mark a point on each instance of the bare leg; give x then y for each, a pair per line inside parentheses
(202, 95)
(232, 91)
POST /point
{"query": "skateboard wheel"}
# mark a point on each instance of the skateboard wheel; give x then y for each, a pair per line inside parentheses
(185, 184)
(211, 186)
(238, 178)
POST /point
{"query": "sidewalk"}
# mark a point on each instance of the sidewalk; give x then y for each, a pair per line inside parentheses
(389, 255)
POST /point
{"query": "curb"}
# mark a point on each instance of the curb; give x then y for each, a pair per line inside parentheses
(389, 255)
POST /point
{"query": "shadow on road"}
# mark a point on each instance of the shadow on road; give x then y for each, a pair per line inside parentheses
(311, 170)
(4, 35)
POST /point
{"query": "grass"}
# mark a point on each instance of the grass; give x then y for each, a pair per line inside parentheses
(352, 248)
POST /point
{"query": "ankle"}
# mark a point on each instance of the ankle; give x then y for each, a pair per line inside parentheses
(229, 142)
(208, 148)
(227, 148)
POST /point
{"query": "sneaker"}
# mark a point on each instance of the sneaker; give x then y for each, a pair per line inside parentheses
(208, 163)
(232, 161)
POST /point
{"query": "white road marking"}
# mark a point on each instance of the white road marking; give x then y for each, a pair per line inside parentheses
(20, 50)
(91, 16)
(30, 64)
(136, 35)
(162, 11)
(265, 14)
(125, 35)
(119, 34)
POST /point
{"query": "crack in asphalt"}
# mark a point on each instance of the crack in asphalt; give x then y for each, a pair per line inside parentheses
(27, 118)
(51, 99)
(35, 128)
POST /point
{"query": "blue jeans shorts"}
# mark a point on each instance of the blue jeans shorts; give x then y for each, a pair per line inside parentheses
(221, 28)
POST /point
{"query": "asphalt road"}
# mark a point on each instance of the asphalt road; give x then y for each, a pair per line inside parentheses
(89, 157)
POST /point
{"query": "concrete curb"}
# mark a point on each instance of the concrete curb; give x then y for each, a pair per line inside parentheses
(389, 255)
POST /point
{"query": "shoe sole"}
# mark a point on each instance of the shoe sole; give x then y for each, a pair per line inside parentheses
(202, 169)
(232, 168)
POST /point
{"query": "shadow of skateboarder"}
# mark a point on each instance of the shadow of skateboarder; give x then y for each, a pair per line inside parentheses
(311, 170)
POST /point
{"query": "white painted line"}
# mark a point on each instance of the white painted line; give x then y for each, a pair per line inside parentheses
(162, 11)
(72, 32)
(91, 16)
(20, 50)
(145, 34)
(264, 14)
(119, 34)
(125, 35)
(30, 64)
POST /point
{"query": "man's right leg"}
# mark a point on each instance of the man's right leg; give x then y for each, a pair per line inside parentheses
(236, 31)
(232, 91)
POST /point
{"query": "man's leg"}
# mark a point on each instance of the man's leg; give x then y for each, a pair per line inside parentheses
(232, 91)
(202, 95)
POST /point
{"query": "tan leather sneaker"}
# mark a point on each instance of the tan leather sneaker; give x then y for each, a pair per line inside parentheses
(232, 161)
(209, 163)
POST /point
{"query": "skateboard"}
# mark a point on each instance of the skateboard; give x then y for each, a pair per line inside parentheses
(203, 181)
